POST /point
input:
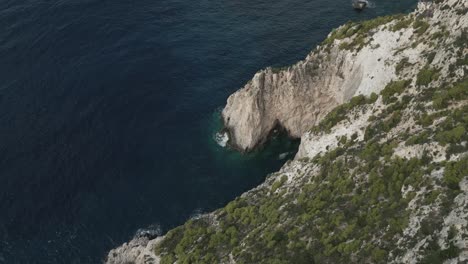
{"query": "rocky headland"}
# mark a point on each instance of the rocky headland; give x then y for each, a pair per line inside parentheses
(381, 175)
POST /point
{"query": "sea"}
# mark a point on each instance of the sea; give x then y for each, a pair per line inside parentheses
(109, 111)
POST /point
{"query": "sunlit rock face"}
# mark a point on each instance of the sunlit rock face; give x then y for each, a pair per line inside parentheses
(299, 96)
(345, 165)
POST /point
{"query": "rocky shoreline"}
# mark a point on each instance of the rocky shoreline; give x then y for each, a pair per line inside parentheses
(361, 79)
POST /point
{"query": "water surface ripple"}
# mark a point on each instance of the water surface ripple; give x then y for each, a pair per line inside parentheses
(108, 110)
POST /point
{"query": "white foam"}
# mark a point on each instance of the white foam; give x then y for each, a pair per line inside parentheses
(151, 231)
(283, 155)
(196, 214)
(221, 138)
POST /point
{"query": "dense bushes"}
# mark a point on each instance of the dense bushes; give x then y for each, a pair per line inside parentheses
(455, 172)
(420, 26)
(353, 207)
(453, 128)
(451, 136)
(403, 23)
(331, 218)
(457, 92)
(351, 28)
(278, 184)
(418, 139)
(427, 75)
(359, 31)
(394, 87)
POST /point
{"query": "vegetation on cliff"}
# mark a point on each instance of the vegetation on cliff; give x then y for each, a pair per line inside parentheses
(394, 189)
(349, 204)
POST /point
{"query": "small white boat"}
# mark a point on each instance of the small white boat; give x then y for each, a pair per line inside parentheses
(360, 4)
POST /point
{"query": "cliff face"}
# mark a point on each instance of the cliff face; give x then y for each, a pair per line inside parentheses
(401, 48)
(139, 250)
(381, 175)
(299, 96)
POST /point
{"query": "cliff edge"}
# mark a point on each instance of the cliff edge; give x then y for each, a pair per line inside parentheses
(355, 59)
(381, 175)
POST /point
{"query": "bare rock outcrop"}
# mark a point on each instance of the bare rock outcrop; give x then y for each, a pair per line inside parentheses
(139, 250)
(297, 97)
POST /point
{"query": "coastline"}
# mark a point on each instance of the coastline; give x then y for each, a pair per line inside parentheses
(259, 94)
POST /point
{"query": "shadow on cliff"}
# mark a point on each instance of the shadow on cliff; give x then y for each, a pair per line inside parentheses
(277, 146)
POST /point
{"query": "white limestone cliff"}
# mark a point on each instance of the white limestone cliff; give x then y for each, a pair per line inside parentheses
(297, 97)
(300, 96)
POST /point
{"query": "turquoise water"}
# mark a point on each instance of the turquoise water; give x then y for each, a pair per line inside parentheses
(108, 110)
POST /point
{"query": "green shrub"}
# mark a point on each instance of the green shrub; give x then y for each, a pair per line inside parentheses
(378, 255)
(430, 57)
(404, 23)
(418, 139)
(339, 33)
(394, 87)
(426, 120)
(451, 136)
(443, 34)
(462, 61)
(455, 172)
(427, 75)
(457, 92)
(368, 25)
(401, 65)
(420, 26)
(359, 30)
(392, 121)
(279, 183)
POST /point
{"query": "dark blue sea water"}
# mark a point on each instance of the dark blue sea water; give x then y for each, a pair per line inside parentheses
(108, 110)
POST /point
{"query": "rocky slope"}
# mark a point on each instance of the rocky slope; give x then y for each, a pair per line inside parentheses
(298, 97)
(381, 175)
